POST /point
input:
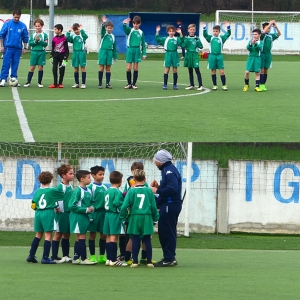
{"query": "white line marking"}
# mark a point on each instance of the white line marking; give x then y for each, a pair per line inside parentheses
(27, 134)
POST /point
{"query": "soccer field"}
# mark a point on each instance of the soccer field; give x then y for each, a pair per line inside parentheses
(201, 274)
(150, 113)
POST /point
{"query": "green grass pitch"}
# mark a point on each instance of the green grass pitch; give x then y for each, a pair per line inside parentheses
(151, 114)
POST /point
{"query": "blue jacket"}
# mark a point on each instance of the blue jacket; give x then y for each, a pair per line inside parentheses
(170, 185)
(13, 34)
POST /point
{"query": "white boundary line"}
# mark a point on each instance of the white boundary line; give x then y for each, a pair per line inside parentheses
(27, 134)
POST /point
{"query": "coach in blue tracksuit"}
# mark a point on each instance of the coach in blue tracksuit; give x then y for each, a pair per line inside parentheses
(169, 202)
(13, 35)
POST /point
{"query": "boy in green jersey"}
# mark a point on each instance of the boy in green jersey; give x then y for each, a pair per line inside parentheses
(143, 212)
(112, 223)
(266, 55)
(215, 58)
(253, 61)
(81, 206)
(45, 205)
(107, 52)
(170, 44)
(38, 42)
(98, 201)
(191, 60)
(78, 39)
(135, 41)
(62, 233)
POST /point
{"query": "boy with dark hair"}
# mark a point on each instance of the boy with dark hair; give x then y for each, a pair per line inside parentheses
(143, 212)
(192, 43)
(59, 56)
(98, 202)
(135, 41)
(81, 206)
(78, 39)
(253, 61)
(107, 52)
(38, 42)
(266, 55)
(170, 44)
(215, 58)
(45, 205)
(112, 223)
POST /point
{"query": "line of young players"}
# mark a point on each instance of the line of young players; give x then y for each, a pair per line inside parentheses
(92, 207)
(136, 51)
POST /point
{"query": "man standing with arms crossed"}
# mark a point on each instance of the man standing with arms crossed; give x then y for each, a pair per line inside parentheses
(13, 36)
(169, 203)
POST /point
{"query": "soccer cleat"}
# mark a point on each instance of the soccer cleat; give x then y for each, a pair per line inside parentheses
(40, 85)
(120, 263)
(190, 87)
(100, 86)
(59, 261)
(107, 262)
(93, 258)
(262, 87)
(214, 88)
(246, 88)
(120, 257)
(87, 262)
(150, 265)
(48, 261)
(67, 259)
(102, 259)
(200, 88)
(164, 263)
(31, 259)
(257, 89)
(114, 263)
(60, 86)
(2, 83)
(224, 88)
(175, 263)
(83, 86)
(128, 86)
(76, 261)
(108, 86)
(175, 87)
(53, 86)
(143, 261)
(129, 262)
(26, 85)
(165, 87)
(134, 87)
(134, 265)
(75, 86)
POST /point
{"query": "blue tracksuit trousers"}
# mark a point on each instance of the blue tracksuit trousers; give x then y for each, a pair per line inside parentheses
(11, 58)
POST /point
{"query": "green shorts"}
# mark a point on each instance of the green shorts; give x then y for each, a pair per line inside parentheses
(266, 60)
(79, 223)
(44, 220)
(253, 64)
(215, 61)
(191, 60)
(105, 57)
(78, 59)
(62, 222)
(171, 59)
(140, 225)
(37, 58)
(98, 221)
(133, 55)
(112, 224)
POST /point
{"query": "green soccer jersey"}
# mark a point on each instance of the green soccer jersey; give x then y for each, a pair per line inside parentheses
(254, 50)
(98, 193)
(38, 45)
(136, 38)
(47, 198)
(113, 200)
(81, 199)
(66, 190)
(170, 44)
(78, 41)
(191, 43)
(216, 42)
(128, 187)
(267, 39)
(108, 42)
(140, 201)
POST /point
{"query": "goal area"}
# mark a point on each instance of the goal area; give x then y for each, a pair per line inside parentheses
(21, 163)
